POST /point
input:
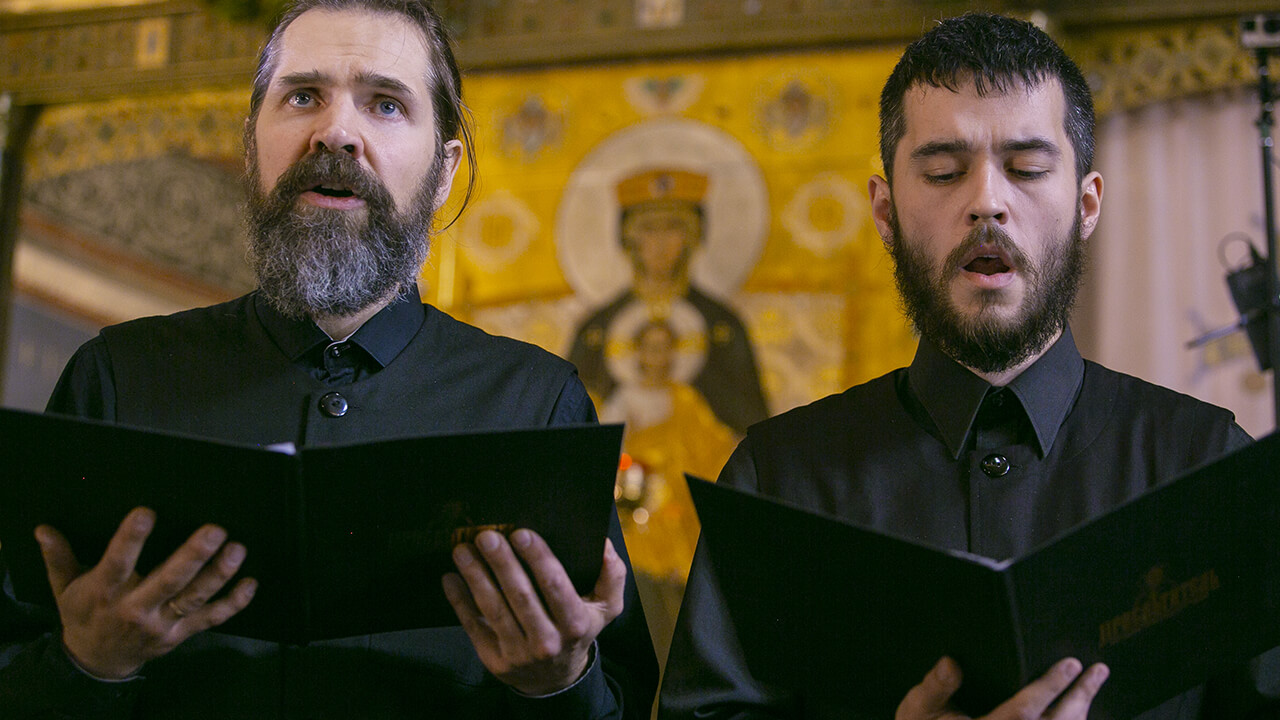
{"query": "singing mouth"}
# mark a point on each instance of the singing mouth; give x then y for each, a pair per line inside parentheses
(988, 261)
(333, 190)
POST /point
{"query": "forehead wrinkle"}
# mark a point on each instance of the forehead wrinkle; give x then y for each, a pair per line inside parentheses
(409, 34)
(393, 57)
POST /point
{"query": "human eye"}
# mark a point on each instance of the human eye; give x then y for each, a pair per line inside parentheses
(301, 98)
(1028, 173)
(942, 169)
(942, 178)
(1030, 165)
(386, 107)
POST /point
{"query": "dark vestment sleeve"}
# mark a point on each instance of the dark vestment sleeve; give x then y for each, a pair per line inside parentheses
(86, 387)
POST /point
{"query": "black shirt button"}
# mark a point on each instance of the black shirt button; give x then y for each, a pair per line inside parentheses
(333, 405)
(335, 351)
(995, 465)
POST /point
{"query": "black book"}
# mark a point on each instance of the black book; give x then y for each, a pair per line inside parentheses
(1167, 589)
(344, 540)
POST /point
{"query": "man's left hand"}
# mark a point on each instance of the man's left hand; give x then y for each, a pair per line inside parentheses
(536, 647)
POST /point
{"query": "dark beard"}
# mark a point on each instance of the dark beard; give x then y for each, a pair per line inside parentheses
(985, 343)
(318, 262)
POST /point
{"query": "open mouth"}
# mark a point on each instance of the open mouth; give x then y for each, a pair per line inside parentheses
(988, 265)
(988, 258)
(334, 191)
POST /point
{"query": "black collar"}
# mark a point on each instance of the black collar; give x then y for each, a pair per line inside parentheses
(382, 336)
(951, 394)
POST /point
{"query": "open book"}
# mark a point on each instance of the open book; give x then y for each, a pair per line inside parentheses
(343, 540)
(1167, 589)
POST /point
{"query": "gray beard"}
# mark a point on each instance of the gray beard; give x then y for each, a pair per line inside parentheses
(318, 262)
(985, 344)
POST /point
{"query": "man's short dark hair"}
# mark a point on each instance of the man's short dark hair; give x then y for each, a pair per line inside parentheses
(997, 54)
(452, 118)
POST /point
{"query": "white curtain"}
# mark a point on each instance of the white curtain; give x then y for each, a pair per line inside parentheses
(1178, 177)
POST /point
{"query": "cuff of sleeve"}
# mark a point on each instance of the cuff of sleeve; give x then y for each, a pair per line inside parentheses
(76, 664)
(81, 684)
(589, 697)
(46, 679)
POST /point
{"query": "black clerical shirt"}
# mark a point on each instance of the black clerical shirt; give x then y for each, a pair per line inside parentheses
(240, 372)
(933, 453)
(343, 361)
(332, 362)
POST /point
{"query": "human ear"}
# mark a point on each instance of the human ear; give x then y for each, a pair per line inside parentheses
(250, 143)
(881, 207)
(452, 152)
(1090, 203)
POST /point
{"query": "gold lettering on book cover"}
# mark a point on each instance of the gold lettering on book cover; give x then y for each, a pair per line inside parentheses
(1160, 601)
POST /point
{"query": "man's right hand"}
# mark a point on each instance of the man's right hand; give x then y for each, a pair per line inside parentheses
(114, 620)
(1044, 698)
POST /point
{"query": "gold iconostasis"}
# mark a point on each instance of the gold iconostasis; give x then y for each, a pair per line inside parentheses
(694, 235)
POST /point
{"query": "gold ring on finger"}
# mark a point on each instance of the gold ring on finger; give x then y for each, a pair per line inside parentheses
(176, 610)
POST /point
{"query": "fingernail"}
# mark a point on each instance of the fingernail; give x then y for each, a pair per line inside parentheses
(235, 553)
(943, 672)
(143, 520)
(42, 535)
(462, 556)
(213, 536)
(1070, 666)
(250, 587)
(1100, 672)
(521, 538)
(451, 582)
(488, 540)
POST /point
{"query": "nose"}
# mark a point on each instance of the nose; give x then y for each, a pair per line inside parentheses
(337, 130)
(989, 202)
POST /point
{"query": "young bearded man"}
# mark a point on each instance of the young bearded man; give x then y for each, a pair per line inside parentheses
(998, 436)
(356, 127)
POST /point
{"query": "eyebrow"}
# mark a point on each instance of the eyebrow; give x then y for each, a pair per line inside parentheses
(1035, 144)
(957, 147)
(939, 147)
(365, 77)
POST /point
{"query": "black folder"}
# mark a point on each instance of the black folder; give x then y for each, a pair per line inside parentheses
(1168, 589)
(344, 540)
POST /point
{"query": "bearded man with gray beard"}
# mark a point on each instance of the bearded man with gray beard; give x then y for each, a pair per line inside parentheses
(999, 435)
(355, 129)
